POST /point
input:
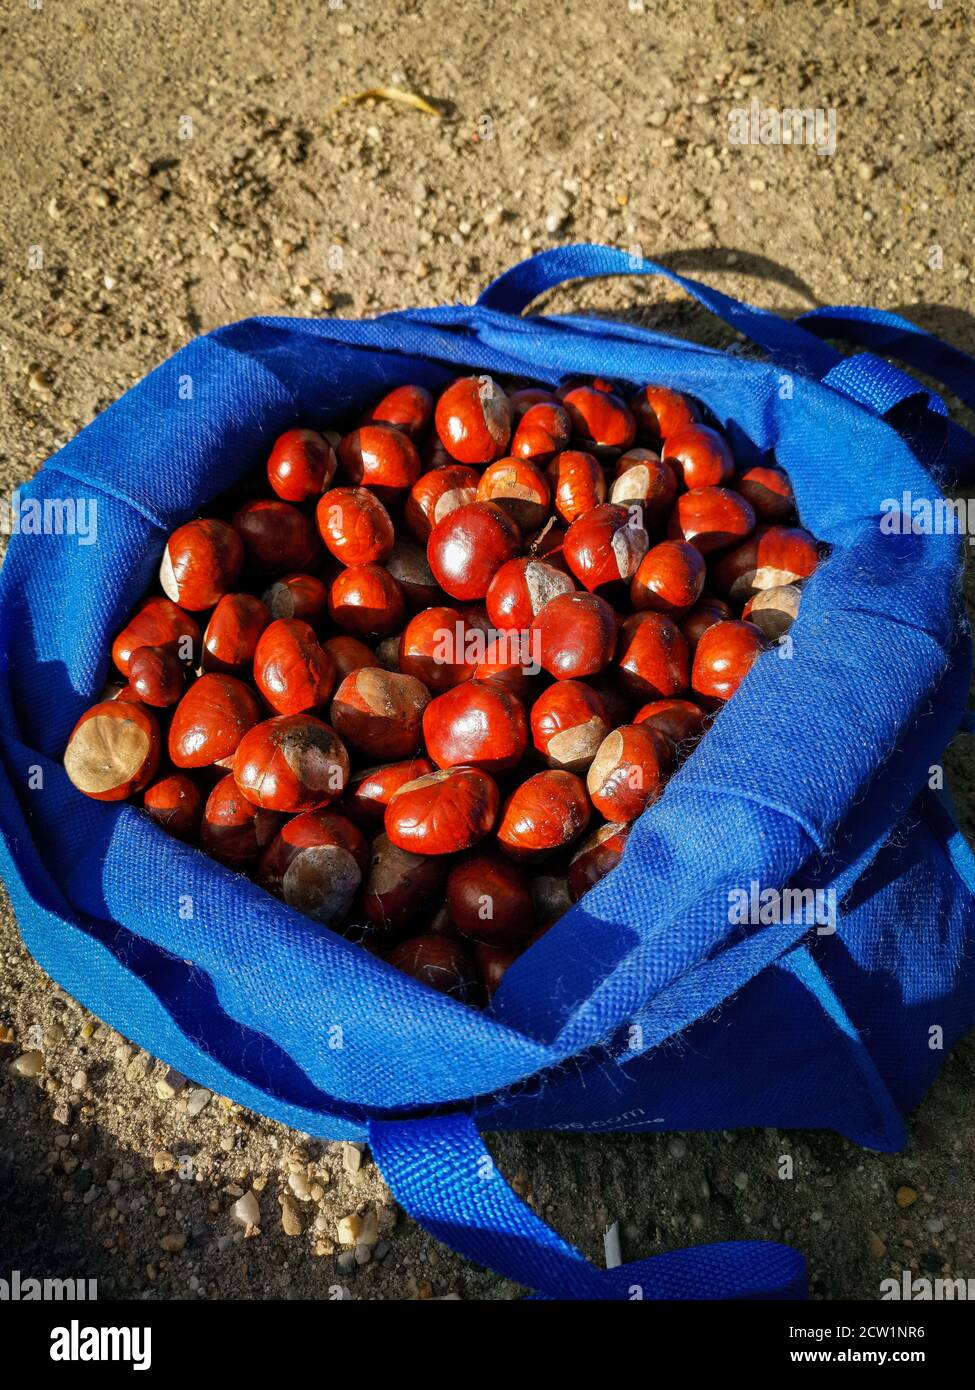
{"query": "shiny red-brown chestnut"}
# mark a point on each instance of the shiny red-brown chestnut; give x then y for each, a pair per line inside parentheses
(643, 478)
(380, 713)
(278, 538)
(547, 812)
(705, 613)
(293, 762)
(700, 456)
(489, 899)
(521, 589)
(436, 494)
(770, 557)
(436, 961)
(652, 656)
(682, 721)
(468, 547)
(201, 563)
(355, 526)
(175, 803)
(476, 725)
(769, 492)
(158, 622)
(349, 654)
(210, 720)
(774, 610)
(670, 579)
(433, 648)
(543, 430)
(575, 635)
(232, 634)
(156, 676)
(291, 670)
(606, 545)
(661, 412)
(300, 596)
(410, 568)
(444, 812)
(519, 488)
(578, 484)
(113, 750)
(600, 420)
(234, 830)
(492, 964)
(629, 770)
(711, 518)
(406, 408)
(724, 656)
(568, 723)
(369, 790)
(301, 466)
(316, 863)
(473, 420)
(525, 397)
(596, 857)
(509, 660)
(401, 888)
(381, 458)
(366, 600)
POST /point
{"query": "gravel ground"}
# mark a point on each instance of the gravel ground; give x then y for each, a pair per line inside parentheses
(168, 169)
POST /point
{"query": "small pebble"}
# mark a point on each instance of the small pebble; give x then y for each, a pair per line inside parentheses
(173, 1243)
(741, 1181)
(246, 1211)
(363, 1254)
(290, 1221)
(197, 1100)
(876, 1246)
(677, 1148)
(163, 1161)
(347, 1231)
(345, 1263)
(300, 1186)
(28, 1064)
(79, 1080)
(352, 1157)
(905, 1196)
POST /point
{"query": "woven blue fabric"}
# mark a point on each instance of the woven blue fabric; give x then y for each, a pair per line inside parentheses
(643, 1008)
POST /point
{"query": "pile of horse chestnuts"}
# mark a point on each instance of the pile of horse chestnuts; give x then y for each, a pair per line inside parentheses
(419, 679)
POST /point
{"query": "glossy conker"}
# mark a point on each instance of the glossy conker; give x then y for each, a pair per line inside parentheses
(578, 484)
(568, 723)
(770, 557)
(300, 596)
(158, 622)
(705, 613)
(201, 563)
(711, 518)
(436, 961)
(156, 676)
(543, 430)
(443, 812)
(433, 648)
(769, 492)
(652, 656)
(521, 589)
(629, 771)
(476, 725)
(700, 456)
(576, 635)
(175, 803)
(232, 634)
(369, 791)
(278, 538)
(469, 545)
(316, 863)
(210, 720)
(670, 579)
(113, 750)
(355, 526)
(661, 412)
(292, 762)
(380, 712)
(682, 721)
(473, 420)
(406, 408)
(545, 813)
(774, 611)
(518, 488)
(600, 420)
(606, 545)
(234, 830)
(366, 600)
(401, 888)
(301, 466)
(596, 857)
(643, 478)
(436, 494)
(381, 458)
(724, 656)
(291, 670)
(489, 899)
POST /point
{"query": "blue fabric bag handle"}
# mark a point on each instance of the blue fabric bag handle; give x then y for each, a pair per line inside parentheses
(883, 388)
(440, 1171)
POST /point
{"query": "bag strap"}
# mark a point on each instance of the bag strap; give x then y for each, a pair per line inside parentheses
(918, 414)
(442, 1174)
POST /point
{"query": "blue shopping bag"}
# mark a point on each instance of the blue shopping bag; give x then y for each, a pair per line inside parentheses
(643, 1008)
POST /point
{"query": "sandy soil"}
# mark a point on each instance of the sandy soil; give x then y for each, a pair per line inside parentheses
(172, 167)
